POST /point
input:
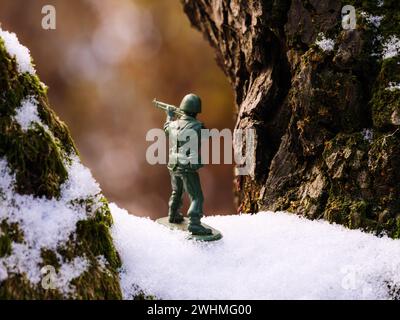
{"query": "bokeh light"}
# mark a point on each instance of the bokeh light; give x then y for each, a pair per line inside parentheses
(104, 64)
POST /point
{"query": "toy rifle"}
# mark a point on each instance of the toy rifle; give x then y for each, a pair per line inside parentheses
(168, 107)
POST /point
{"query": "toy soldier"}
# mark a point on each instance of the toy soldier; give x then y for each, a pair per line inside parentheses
(184, 162)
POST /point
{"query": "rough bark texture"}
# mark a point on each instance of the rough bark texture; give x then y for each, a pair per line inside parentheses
(327, 138)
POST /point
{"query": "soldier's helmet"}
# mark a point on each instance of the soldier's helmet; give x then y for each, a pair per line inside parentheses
(191, 104)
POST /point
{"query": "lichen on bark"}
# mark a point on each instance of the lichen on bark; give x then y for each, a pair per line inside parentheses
(326, 120)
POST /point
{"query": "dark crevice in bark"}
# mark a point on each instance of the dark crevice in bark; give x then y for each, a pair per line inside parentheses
(326, 140)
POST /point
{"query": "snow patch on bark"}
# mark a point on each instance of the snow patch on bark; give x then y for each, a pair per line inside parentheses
(45, 224)
(368, 134)
(80, 183)
(393, 86)
(391, 47)
(374, 20)
(70, 271)
(324, 43)
(3, 272)
(27, 114)
(263, 256)
(102, 262)
(17, 50)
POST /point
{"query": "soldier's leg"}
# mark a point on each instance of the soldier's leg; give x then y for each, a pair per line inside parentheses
(191, 181)
(175, 201)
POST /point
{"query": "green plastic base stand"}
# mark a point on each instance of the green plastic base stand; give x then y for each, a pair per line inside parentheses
(183, 226)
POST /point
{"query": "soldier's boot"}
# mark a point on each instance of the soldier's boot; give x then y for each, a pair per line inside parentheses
(175, 202)
(196, 228)
(175, 217)
(195, 212)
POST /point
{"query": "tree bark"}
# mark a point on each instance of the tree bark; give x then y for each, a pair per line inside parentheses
(34, 167)
(326, 121)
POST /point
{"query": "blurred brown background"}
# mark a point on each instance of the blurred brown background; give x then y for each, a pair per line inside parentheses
(104, 64)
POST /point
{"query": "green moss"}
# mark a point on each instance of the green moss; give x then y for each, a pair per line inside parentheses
(353, 163)
(37, 157)
(93, 239)
(350, 213)
(337, 210)
(5, 246)
(9, 233)
(12, 231)
(18, 287)
(358, 212)
(386, 103)
(338, 93)
(94, 234)
(251, 200)
(49, 258)
(97, 284)
(396, 233)
(58, 128)
(390, 23)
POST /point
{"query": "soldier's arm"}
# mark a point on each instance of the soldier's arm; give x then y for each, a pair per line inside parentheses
(204, 134)
(170, 118)
(166, 127)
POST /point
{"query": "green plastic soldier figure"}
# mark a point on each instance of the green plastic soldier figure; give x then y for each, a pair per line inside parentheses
(182, 168)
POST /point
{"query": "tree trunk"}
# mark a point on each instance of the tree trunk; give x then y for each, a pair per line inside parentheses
(326, 113)
(52, 213)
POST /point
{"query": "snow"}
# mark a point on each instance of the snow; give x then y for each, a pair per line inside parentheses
(80, 183)
(27, 113)
(17, 50)
(102, 262)
(3, 272)
(324, 43)
(263, 256)
(368, 134)
(391, 47)
(393, 86)
(70, 271)
(45, 224)
(374, 20)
